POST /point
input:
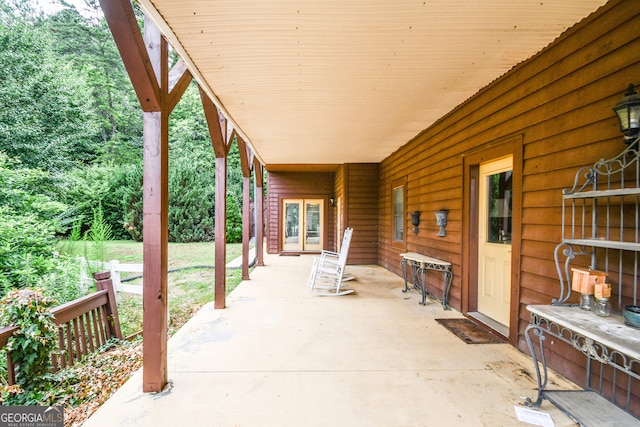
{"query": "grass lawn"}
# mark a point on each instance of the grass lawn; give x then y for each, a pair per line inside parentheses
(189, 288)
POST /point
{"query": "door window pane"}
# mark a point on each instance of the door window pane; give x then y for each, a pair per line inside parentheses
(499, 205)
(292, 218)
(312, 222)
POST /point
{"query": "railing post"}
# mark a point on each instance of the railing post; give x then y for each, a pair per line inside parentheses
(6, 333)
(103, 281)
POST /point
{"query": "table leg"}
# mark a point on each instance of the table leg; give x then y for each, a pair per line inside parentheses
(541, 375)
(421, 283)
(448, 278)
(403, 266)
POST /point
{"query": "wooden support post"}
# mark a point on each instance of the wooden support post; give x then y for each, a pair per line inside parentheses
(104, 282)
(5, 333)
(221, 233)
(159, 90)
(246, 225)
(258, 196)
(155, 254)
(155, 225)
(245, 164)
(217, 125)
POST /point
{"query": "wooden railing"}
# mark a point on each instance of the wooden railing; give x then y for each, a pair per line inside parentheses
(84, 325)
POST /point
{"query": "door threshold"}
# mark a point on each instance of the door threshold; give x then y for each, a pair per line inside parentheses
(489, 322)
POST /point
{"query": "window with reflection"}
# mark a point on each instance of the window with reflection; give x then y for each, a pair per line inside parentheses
(398, 213)
(499, 206)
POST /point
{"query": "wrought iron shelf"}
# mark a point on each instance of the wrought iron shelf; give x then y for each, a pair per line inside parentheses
(612, 349)
(603, 243)
(582, 329)
(590, 409)
(621, 192)
(604, 339)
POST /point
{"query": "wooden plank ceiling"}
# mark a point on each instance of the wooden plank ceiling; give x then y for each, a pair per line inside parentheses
(348, 81)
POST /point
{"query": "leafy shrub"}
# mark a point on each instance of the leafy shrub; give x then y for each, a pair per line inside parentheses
(109, 186)
(98, 234)
(234, 220)
(26, 248)
(191, 196)
(28, 224)
(30, 347)
(62, 283)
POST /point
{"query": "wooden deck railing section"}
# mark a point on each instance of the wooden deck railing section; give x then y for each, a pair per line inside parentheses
(84, 325)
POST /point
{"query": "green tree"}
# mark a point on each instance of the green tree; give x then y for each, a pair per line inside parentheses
(45, 120)
(28, 222)
(85, 41)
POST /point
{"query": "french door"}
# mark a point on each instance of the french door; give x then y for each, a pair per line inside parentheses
(302, 224)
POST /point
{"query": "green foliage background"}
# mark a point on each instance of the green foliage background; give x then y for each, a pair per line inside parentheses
(71, 141)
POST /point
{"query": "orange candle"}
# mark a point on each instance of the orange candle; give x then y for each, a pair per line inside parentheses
(602, 290)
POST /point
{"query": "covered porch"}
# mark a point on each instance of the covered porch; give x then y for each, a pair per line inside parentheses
(280, 355)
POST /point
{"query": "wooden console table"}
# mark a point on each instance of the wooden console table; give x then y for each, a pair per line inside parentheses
(419, 264)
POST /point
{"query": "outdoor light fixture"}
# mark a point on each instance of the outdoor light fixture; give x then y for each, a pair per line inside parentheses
(415, 220)
(441, 221)
(332, 200)
(628, 112)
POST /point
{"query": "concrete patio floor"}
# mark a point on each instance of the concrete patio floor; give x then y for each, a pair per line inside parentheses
(279, 355)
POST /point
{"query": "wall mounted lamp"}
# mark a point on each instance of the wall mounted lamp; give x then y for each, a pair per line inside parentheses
(628, 112)
(332, 201)
(441, 221)
(415, 220)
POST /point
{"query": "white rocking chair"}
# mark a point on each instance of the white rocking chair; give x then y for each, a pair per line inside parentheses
(327, 272)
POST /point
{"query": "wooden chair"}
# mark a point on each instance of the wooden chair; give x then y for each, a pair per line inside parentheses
(327, 272)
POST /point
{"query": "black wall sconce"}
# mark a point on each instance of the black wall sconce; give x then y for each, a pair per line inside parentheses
(628, 112)
(332, 201)
(415, 220)
(441, 221)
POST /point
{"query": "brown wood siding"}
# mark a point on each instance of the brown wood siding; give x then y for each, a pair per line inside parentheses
(298, 185)
(356, 185)
(361, 211)
(340, 191)
(559, 102)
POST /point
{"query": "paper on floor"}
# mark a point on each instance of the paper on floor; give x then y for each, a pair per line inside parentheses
(531, 416)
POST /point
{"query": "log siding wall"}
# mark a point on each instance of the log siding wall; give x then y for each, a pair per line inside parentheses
(358, 186)
(298, 185)
(558, 103)
(355, 185)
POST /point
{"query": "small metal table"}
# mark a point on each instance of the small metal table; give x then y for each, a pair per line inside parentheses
(419, 264)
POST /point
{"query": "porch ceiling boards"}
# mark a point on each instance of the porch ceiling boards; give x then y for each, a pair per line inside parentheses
(349, 81)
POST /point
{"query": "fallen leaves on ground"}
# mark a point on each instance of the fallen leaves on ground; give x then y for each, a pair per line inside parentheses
(89, 384)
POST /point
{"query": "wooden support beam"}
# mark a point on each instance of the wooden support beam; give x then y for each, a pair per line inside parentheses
(217, 125)
(259, 172)
(179, 79)
(245, 165)
(126, 34)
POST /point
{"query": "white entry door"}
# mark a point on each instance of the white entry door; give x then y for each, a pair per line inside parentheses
(302, 224)
(494, 240)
